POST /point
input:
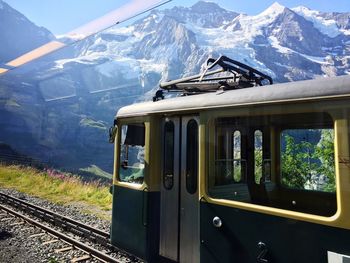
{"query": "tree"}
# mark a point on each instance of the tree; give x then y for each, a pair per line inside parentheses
(307, 165)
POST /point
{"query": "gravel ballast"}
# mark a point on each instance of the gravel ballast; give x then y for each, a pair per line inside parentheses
(74, 211)
(16, 246)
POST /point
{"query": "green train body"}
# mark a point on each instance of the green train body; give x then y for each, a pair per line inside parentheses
(250, 175)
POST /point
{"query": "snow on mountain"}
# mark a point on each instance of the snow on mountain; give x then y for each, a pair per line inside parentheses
(204, 14)
(245, 28)
(326, 26)
(342, 20)
(272, 11)
(288, 44)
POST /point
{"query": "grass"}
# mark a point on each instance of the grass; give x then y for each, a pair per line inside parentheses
(57, 187)
(93, 169)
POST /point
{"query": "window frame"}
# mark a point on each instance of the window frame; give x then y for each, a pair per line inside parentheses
(262, 192)
(116, 180)
(128, 152)
(191, 182)
(338, 108)
(164, 175)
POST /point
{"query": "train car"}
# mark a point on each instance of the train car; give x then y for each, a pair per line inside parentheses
(234, 170)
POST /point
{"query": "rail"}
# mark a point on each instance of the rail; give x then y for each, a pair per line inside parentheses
(58, 220)
(77, 244)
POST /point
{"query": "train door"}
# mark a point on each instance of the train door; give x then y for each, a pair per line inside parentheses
(179, 207)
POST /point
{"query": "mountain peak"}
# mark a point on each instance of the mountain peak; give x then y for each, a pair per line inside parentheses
(206, 7)
(275, 9)
(305, 11)
(277, 6)
(301, 8)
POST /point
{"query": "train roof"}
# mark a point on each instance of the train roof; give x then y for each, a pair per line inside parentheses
(320, 88)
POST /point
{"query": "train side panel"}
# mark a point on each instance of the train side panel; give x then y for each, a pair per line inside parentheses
(286, 240)
(135, 222)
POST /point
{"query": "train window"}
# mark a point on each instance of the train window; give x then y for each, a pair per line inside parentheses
(228, 163)
(287, 163)
(237, 165)
(168, 165)
(307, 159)
(192, 156)
(132, 147)
(258, 156)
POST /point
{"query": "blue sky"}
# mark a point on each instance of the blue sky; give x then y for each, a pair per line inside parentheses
(62, 16)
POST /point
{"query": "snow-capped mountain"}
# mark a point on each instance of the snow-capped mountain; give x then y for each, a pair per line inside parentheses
(330, 24)
(289, 44)
(80, 88)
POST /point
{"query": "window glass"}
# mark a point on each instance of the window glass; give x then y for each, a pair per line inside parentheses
(287, 163)
(258, 156)
(307, 159)
(132, 150)
(228, 162)
(237, 166)
(192, 156)
(168, 168)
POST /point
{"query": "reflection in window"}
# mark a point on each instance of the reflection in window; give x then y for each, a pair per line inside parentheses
(228, 162)
(307, 159)
(237, 166)
(290, 165)
(258, 156)
(132, 149)
(168, 169)
(192, 156)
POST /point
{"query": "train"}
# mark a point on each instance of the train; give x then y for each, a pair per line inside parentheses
(226, 166)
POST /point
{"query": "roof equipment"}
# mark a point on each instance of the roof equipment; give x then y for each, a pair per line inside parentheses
(231, 74)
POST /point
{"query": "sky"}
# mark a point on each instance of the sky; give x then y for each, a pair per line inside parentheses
(62, 16)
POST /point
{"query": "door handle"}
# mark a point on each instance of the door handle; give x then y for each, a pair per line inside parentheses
(262, 254)
(144, 206)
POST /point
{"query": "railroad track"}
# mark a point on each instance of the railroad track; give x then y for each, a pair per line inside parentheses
(64, 224)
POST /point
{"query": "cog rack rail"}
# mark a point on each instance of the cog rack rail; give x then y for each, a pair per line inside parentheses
(233, 75)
